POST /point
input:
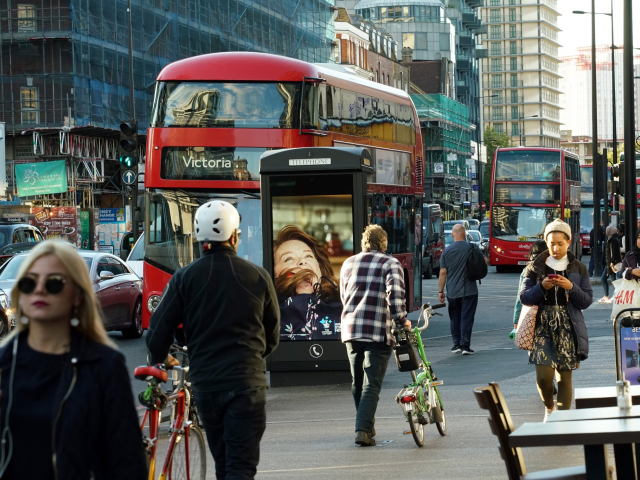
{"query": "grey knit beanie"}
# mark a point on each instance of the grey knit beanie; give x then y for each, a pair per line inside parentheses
(557, 226)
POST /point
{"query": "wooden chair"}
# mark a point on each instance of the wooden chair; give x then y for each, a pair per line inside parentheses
(490, 398)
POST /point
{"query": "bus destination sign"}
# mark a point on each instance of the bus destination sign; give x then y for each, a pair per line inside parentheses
(210, 163)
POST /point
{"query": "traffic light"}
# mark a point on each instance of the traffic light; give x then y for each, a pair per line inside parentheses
(617, 170)
(129, 143)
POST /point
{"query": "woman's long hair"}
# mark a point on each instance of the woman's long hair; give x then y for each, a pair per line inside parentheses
(286, 283)
(89, 312)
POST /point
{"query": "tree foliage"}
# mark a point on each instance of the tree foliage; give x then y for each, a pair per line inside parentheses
(492, 141)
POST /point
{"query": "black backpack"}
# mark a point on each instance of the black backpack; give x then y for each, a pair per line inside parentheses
(476, 264)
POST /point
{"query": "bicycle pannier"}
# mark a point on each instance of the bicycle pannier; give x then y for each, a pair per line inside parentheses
(406, 357)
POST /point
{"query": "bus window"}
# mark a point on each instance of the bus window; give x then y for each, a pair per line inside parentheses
(528, 165)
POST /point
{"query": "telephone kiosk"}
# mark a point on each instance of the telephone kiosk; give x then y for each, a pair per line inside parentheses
(314, 210)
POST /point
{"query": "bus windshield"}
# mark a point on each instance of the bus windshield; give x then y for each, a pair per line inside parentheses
(528, 165)
(171, 241)
(231, 105)
(521, 224)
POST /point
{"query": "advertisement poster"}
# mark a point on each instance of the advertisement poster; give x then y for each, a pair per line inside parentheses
(313, 236)
(41, 178)
(57, 223)
(629, 348)
(111, 229)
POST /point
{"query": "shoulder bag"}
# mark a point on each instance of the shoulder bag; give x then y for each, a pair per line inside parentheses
(525, 331)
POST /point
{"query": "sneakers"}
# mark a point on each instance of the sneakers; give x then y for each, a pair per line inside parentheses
(604, 300)
(364, 439)
(547, 412)
(456, 349)
(467, 351)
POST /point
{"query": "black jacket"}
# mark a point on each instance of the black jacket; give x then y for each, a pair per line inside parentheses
(229, 311)
(612, 253)
(580, 297)
(631, 261)
(97, 435)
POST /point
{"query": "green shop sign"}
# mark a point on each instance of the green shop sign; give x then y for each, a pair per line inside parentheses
(41, 178)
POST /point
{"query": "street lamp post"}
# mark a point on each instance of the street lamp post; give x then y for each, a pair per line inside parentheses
(522, 131)
(597, 250)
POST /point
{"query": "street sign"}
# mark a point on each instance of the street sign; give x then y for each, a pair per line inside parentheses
(476, 188)
(129, 177)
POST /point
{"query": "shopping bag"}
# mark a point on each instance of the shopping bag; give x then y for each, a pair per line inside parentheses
(526, 327)
(626, 295)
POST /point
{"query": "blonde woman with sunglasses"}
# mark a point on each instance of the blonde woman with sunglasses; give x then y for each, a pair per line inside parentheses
(67, 409)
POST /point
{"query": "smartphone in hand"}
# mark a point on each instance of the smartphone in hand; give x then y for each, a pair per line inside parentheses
(553, 276)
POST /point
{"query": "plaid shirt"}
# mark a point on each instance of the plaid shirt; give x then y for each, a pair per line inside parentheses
(372, 294)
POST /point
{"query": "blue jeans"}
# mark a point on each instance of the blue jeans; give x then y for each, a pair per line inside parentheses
(605, 277)
(368, 362)
(235, 421)
(591, 263)
(462, 313)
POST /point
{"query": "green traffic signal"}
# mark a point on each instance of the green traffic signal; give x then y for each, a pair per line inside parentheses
(128, 161)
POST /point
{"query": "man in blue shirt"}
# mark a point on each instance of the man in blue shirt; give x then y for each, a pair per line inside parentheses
(462, 293)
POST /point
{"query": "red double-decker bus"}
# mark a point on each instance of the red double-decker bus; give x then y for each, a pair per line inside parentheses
(215, 114)
(586, 204)
(531, 187)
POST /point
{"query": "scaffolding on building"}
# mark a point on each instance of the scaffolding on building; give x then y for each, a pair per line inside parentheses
(67, 66)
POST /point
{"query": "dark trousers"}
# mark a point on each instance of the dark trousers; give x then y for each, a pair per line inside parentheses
(591, 263)
(368, 362)
(607, 276)
(462, 313)
(235, 421)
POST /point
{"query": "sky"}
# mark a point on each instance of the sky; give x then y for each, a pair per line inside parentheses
(576, 29)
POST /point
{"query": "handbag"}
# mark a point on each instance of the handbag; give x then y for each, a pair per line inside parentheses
(526, 327)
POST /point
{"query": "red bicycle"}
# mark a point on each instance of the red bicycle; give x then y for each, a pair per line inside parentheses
(186, 456)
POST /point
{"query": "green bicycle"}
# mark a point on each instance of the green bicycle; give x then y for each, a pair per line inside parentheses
(420, 401)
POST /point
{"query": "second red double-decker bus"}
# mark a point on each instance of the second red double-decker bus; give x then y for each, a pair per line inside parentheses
(531, 187)
(214, 115)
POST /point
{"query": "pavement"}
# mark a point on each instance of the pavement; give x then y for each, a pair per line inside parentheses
(310, 430)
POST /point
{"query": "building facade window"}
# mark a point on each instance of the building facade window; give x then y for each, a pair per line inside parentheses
(495, 31)
(496, 64)
(513, 16)
(513, 33)
(29, 104)
(445, 41)
(496, 114)
(496, 81)
(513, 48)
(513, 63)
(498, 127)
(26, 18)
(498, 97)
(514, 129)
(496, 48)
(514, 79)
(495, 3)
(515, 114)
(494, 15)
(514, 96)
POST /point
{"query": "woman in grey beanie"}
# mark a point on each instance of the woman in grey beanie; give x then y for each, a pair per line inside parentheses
(558, 283)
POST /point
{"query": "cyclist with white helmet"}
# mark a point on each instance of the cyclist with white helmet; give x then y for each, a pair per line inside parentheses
(229, 312)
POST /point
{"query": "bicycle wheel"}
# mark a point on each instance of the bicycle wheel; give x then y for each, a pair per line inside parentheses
(442, 426)
(196, 454)
(417, 429)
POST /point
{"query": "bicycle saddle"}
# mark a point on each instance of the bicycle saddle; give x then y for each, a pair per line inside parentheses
(141, 373)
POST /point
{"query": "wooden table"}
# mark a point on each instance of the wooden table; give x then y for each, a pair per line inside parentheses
(594, 414)
(594, 435)
(596, 397)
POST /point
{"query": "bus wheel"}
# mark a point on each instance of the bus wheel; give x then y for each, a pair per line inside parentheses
(428, 273)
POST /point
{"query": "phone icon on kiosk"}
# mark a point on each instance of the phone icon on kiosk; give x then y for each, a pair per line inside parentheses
(315, 351)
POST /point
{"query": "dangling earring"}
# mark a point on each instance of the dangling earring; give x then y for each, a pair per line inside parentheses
(24, 320)
(74, 321)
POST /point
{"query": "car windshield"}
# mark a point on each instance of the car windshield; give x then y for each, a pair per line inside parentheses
(448, 239)
(88, 260)
(475, 234)
(137, 254)
(14, 249)
(521, 224)
(10, 269)
(170, 239)
(484, 229)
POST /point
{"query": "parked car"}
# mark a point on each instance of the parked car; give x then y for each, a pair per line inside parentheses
(448, 225)
(12, 249)
(432, 239)
(11, 232)
(448, 238)
(485, 227)
(478, 239)
(118, 289)
(136, 257)
(474, 224)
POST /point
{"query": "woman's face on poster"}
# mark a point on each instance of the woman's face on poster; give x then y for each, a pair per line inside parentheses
(295, 255)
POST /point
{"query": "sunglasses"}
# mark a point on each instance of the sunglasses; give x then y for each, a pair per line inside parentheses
(53, 285)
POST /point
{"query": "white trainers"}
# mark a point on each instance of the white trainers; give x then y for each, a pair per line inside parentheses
(547, 412)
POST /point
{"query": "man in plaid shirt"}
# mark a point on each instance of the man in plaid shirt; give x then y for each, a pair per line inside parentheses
(372, 292)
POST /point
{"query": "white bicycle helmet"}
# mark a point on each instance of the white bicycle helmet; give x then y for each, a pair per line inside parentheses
(215, 221)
